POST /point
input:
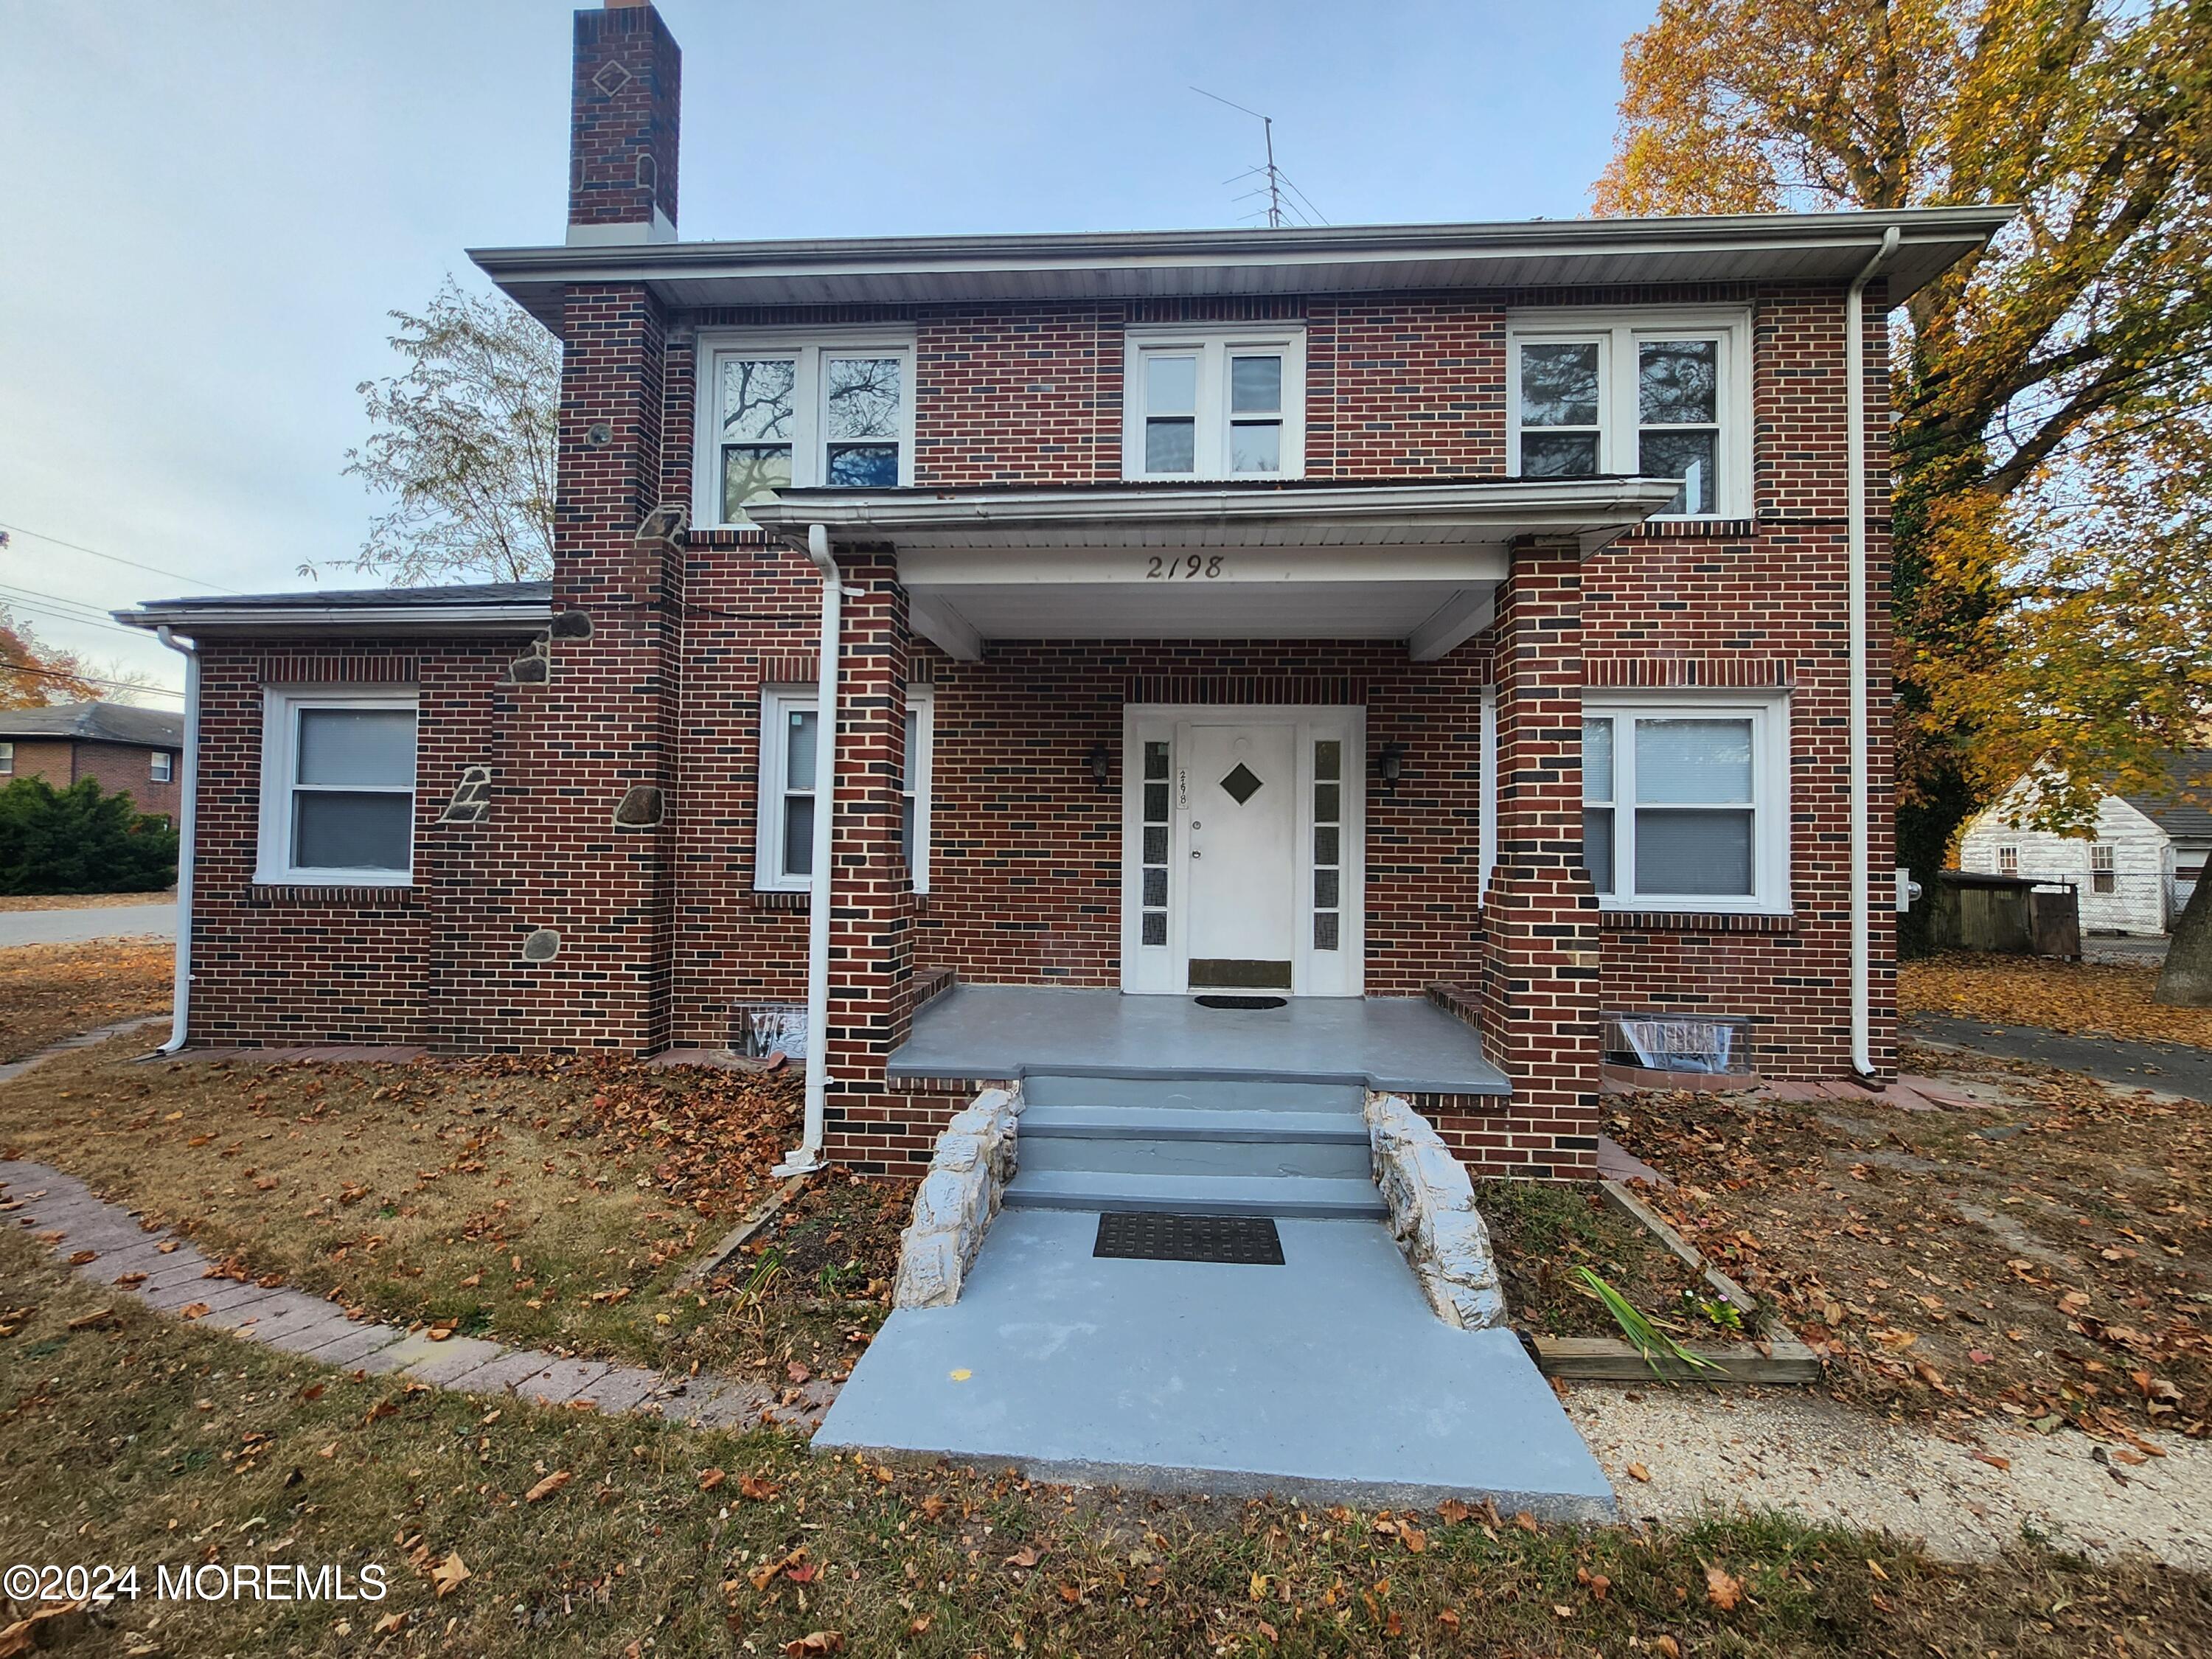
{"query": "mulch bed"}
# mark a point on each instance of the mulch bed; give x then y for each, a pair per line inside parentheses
(2044, 1258)
(1541, 1231)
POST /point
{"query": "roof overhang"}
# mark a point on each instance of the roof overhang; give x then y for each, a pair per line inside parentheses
(199, 619)
(1411, 562)
(1763, 247)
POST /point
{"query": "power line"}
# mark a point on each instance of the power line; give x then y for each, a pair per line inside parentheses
(117, 558)
(36, 672)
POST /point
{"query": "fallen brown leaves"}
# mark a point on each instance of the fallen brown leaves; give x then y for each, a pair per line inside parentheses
(2095, 999)
(48, 992)
(2044, 1262)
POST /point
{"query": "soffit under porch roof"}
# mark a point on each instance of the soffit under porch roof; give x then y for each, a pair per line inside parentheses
(1758, 247)
(1417, 561)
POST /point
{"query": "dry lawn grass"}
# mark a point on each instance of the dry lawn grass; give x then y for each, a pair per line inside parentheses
(2089, 998)
(48, 992)
(81, 901)
(549, 1203)
(135, 1441)
(2044, 1258)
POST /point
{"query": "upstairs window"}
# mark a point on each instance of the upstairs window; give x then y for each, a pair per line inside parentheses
(337, 787)
(2008, 861)
(1686, 807)
(1662, 395)
(1214, 405)
(161, 766)
(780, 414)
(7, 760)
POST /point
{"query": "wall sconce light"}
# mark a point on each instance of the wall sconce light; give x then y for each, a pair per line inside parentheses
(1390, 765)
(1101, 764)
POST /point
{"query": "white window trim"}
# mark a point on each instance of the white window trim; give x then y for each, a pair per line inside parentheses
(7, 759)
(921, 703)
(807, 443)
(280, 754)
(1617, 332)
(778, 703)
(1770, 790)
(1213, 346)
(161, 766)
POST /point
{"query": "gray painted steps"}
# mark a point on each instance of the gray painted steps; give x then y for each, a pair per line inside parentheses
(1174, 1140)
(1312, 1197)
(1182, 1090)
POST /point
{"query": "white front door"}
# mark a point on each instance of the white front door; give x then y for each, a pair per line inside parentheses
(1241, 883)
(1242, 853)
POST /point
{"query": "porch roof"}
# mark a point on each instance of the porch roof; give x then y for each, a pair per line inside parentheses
(1419, 561)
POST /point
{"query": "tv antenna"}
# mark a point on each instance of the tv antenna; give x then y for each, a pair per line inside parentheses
(1284, 196)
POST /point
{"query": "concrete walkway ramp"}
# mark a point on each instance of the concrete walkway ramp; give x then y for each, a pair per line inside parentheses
(1327, 1378)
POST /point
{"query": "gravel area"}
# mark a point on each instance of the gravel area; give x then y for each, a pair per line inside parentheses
(1826, 1462)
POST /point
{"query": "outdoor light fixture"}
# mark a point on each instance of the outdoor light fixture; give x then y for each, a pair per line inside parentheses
(1099, 761)
(1390, 765)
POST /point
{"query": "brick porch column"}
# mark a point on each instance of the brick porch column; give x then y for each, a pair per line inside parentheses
(1540, 979)
(872, 914)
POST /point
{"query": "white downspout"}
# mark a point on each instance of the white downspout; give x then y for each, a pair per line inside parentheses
(181, 1004)
(1855, 452)
(807, 1154)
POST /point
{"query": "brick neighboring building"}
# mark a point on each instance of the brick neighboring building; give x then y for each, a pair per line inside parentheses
(125, 749)
(1456, 612)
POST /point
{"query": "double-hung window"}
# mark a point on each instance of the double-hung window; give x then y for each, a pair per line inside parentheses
(337, 787)
(7, 760)
(1686, 806)
(778, 413)
(1208, 404)
(161, 766)
(2104, 869)
(790, 734)
(1664, 395)
(791, 774)
(913, 784)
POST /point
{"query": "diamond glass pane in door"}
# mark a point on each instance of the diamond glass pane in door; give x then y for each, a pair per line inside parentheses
(1241, 783)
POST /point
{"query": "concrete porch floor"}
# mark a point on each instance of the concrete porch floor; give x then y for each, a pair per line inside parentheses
(1325, 1377)
(1405, 1044)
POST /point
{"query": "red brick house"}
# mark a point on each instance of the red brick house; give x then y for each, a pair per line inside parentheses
(127, 751)
(1462, 620)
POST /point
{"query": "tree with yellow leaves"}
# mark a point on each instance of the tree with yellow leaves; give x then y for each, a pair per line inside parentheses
(2053, 399)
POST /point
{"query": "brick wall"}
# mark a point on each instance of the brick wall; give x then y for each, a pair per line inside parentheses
(119, 769)
(663, 935)
(624, 98)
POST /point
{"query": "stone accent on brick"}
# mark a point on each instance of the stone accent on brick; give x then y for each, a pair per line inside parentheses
(968, 1175)
(1432, 1215)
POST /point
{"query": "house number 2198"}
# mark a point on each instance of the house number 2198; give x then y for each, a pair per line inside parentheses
(1192, 566)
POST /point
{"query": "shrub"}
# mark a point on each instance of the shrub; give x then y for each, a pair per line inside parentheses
(79, 840)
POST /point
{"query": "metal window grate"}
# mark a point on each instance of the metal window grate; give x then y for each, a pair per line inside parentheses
(1247, 1240)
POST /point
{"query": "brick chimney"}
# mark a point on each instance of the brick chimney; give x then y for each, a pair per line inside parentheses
(625, 101)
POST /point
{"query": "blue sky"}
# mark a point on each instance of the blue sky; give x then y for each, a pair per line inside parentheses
(212, 206)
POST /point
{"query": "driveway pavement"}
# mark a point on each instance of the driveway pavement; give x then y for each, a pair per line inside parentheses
(2174, 1067)
(71, 926)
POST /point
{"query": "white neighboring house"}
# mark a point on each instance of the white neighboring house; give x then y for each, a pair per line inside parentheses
(2134, 875)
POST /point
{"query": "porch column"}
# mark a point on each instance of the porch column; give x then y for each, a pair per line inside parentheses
(1541, 974)
(872, 897)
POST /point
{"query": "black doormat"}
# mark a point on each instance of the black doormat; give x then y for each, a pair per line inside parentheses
(1242, 1002)
(1247, 1240)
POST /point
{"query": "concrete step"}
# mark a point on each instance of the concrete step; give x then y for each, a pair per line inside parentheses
(1172, 1140)
(1315, 1197)
(1166, 1089)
